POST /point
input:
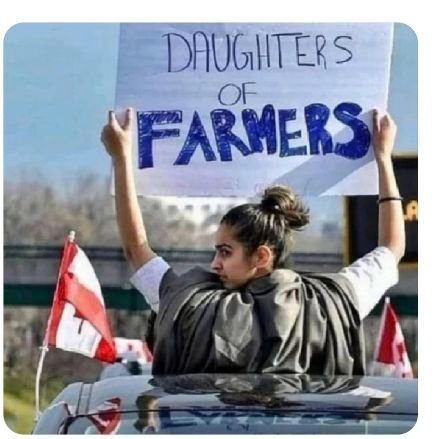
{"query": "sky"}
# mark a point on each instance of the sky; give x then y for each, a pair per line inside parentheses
(59, 83)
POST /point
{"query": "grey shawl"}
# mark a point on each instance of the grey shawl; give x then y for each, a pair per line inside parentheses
(283, 322)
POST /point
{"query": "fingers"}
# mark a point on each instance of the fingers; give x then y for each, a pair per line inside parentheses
(112, 119)
(386, 120)
(113, 122)
(129, 114)
(381, 122)
(376, 120)
(103, 135)
(388, 124)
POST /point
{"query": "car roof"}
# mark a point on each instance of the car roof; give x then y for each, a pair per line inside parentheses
(302, 393)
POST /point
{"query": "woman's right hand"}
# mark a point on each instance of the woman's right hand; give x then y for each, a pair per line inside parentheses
(384, 134)
(117, 137)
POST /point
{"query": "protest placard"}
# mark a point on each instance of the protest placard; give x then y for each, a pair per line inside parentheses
(227, 109)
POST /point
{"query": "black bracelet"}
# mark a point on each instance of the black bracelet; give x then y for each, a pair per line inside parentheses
(382, 200)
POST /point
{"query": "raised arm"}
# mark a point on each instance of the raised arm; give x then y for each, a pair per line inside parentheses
(117, 139)
(391, 231)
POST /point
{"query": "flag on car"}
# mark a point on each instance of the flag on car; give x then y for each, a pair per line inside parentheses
(137, 348)
(107, 417)
(78, 320)
(391, 358)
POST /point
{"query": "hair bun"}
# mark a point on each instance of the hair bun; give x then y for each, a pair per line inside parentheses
(269, 205)
(282, 200)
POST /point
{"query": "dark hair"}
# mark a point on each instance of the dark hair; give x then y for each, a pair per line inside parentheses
(271, 222)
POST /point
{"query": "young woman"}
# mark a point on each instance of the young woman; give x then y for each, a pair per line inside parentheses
(248, 314)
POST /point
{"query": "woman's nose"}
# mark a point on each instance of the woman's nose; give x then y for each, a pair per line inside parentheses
(214, 265)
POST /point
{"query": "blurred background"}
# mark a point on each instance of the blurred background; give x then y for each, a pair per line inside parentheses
(59, 82)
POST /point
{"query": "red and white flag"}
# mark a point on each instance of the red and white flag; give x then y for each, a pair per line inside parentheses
(78, 320)
(107, 417)
(137, 348)
(391, 357)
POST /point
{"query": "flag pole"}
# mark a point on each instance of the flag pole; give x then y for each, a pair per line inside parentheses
(45, 347)
(380, 333)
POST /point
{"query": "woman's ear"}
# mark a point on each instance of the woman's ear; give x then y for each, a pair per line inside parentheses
(264, 257)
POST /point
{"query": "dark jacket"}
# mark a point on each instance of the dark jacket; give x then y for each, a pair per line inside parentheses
(283, 322)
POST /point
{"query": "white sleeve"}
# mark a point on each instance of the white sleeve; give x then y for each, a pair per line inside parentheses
(147, 280)
(371, 276)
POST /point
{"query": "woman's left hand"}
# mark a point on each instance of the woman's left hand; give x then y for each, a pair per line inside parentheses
(384, 134)
(117, 137)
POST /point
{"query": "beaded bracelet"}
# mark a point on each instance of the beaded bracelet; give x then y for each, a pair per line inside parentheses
(382, 200)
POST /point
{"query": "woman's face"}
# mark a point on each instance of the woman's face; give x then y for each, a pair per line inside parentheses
(231, 262)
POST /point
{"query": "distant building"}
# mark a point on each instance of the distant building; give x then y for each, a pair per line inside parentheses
(198, 209)
(331, 230)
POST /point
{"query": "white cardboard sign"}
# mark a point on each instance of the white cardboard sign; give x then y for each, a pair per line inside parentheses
(228, 109)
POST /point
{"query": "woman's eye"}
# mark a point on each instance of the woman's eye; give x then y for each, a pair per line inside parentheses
(224, 253)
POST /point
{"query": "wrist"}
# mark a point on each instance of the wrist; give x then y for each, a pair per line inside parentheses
(384, 161)
(385, 199)
(122, 159)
